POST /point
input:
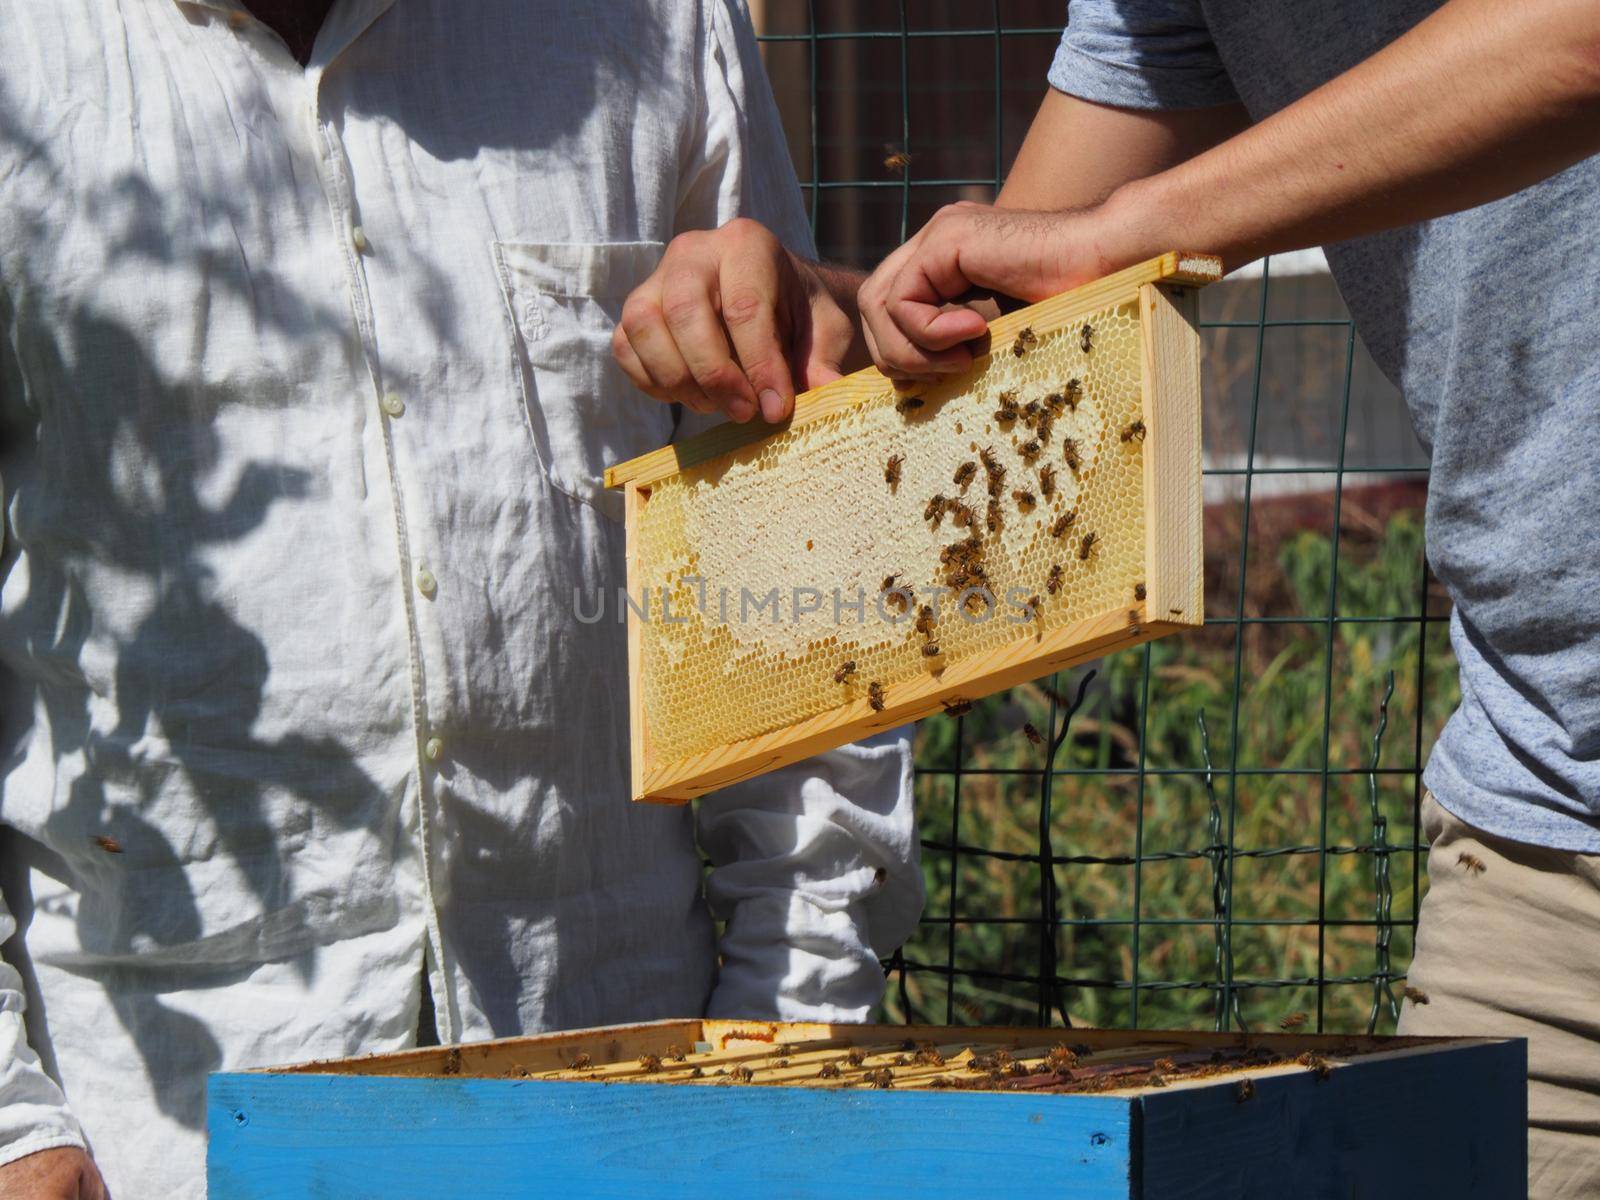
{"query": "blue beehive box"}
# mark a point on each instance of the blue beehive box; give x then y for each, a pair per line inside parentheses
(731, 1109)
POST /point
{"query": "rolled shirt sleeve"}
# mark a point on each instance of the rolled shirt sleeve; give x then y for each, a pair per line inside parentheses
(815, 869)
(1144, 54)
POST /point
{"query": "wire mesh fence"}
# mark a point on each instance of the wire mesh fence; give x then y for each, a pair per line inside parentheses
(1219, 828)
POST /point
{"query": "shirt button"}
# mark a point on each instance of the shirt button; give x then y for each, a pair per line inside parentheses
(392, 404)
(358, 239)
(434, 749)
(426, 583)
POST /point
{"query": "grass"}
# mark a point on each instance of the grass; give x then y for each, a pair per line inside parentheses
(1141, 835)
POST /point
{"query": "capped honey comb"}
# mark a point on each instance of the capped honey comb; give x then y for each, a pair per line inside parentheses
(887, 552)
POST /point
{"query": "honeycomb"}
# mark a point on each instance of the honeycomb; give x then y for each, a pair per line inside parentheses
(762, 554)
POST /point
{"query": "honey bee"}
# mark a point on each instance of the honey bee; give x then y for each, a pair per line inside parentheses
(1024, 498)
(957, 708)
(1061, 1059)
(649, 1063)
(846, 669)
(891, 469)
(908, 404)
(1293, 1021)
(1033, 734)
(1316, 1064)
(1047, 481)
(935, 509)
(1053, 583)
(1026, 340)
(1030, 449)
(930, 650)
(991, 464)
(697, 1073)
(582, 1062)
(830, 1070)
(675, 1054)
(924, 623)
(1034, 604)
(1086, 338)
(1087, 544)
(1472, 863)
(1055, 401)
(1134, 432)
(1030, 413)
(856, 1056)
(1074, 394)
(1244, 1090)
(109, 844)
(960, 514)
(1416, 995)
(992, 522)
(883, 1077)
(780, 1063)
(1007, 412)
(889, 582)
(741, 1074)
(1069, 452)
(1061, 524)
(875, 695)
(895, 159)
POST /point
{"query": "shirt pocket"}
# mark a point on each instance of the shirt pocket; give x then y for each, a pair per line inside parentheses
(564, 299)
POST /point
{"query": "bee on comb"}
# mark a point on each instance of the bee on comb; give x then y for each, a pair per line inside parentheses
(1026, 340)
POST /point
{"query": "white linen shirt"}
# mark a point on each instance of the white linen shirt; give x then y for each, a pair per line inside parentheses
(305, 396)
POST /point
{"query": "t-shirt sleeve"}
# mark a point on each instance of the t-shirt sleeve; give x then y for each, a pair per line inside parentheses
(1149, 54)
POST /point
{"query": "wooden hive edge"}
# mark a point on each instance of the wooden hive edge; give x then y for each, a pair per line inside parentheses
(1174, 267)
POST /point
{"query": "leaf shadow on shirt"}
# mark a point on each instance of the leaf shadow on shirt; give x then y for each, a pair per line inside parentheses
(173, 848)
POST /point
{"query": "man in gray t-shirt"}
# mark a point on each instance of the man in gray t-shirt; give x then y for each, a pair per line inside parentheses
(1440, 151)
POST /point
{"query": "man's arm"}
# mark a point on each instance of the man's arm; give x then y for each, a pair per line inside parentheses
(1476, 102)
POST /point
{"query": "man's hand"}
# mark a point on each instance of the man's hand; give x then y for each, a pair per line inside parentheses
(65, 1173)
(732, 322)
(913, 329)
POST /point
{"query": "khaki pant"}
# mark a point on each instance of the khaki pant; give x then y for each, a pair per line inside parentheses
(1514, 949)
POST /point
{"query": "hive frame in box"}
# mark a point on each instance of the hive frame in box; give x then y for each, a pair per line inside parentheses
(1165, 289)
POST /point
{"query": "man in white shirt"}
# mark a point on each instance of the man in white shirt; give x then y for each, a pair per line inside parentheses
(305, 396)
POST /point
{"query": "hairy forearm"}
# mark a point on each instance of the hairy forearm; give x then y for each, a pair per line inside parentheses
(1478, 101)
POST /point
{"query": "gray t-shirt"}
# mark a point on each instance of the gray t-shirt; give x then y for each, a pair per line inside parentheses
(1487, 320)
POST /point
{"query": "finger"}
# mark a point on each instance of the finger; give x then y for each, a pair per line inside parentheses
(755, 301)
(899, 357)
(622, 351)
(690, 305)
(657, 352)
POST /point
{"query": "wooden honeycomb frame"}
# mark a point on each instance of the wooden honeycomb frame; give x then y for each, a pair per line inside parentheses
(1163, 293)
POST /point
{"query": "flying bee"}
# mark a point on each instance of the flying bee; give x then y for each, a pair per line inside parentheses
(924, 623)
(1030, 449)
(1134, 432)
(1244, 1090)
(1316, 1064)
(109, 844)
(1069, 452)
(935, 509)
(1139, 592)
(1293, 1021)
(894, 158)
(1063, 523)
(891, 469)
(992, 520)
(908, 404)
(1086, 338)
(1024, 498)
(1086, 545)
(1416, 995)
(1074, 394)
(875, 695)
(957, 708)
(1047, 481)
(1053, 584)
(846, 669)
(1026, 340)
(649, 1063)
(1472, 863)
(1033, 734)
(930, 650)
